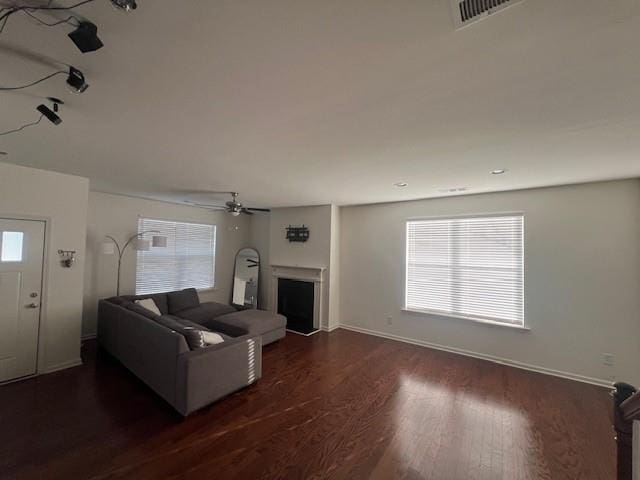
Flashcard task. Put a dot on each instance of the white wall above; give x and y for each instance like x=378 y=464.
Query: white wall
x=117 y=216
x=334 y=270
x=582 y=278
x=316 y=252
x=62 y=201
x=259 y=238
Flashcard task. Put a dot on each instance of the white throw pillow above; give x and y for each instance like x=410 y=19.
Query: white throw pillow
x=149 y=304
x=212 y=338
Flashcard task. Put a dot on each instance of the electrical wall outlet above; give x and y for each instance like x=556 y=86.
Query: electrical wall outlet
x=389 y=320
x=608 y=359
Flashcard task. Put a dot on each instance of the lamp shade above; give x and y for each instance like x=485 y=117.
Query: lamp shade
x=142 y=245
x=159 y=241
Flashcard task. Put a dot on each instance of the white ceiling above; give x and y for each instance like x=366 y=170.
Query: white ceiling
x=299 y=102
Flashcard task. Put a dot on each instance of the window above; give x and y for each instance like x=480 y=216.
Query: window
x=467 y=267
x=187 y=261
x=11 y=247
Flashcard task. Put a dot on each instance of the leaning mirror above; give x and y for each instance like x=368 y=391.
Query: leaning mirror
x=245 y=279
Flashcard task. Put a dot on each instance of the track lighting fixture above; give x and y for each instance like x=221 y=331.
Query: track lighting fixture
x=44 y=112
x=51 y=116
x=86 y=37
x=126 y=5
x=76 y=81
x=7 y=11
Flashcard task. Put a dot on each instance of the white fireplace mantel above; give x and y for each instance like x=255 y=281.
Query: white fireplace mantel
x=304 y=273
x=297 y=272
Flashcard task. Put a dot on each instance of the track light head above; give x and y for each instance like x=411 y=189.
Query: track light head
x=86 y=37
x=76 y=81
x=51 y=116
x=56 y=102
x=126 y=5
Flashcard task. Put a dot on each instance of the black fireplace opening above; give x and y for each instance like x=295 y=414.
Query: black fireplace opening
x=295 y=301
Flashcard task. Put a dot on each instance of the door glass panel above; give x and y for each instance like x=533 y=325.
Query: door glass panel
x=11 y=246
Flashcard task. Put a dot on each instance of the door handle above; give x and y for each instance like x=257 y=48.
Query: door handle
x=32 y=305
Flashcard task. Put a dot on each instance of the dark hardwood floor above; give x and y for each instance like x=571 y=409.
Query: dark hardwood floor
x=341 y=405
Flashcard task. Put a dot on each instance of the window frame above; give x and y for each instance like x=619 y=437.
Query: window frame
x=22 y=247
x=215 y=250
x=452 y=315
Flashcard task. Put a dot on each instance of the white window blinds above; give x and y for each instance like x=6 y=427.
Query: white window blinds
x=187 y=261
x=467 y=267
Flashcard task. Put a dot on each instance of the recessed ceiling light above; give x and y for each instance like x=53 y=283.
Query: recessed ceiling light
x=401 y=184
x=498 y=171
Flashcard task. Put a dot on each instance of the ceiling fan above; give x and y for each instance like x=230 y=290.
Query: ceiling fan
x=234 y=207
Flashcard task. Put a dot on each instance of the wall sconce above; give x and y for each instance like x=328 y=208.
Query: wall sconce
x=67 y=257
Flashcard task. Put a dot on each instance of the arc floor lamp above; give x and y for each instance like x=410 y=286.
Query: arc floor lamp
x=140 y=244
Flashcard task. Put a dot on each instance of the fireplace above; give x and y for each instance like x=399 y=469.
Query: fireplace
x=295 y=301
x=297 y=292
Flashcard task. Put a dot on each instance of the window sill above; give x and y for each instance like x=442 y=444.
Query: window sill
x=206 y=290
x=490 y=323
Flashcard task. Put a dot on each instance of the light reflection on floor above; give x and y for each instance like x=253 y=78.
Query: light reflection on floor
x=449 y=432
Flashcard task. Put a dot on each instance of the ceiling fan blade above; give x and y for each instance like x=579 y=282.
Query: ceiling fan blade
x=246 y=211
x=211 y=207
x=259 y=209
x=207 y=192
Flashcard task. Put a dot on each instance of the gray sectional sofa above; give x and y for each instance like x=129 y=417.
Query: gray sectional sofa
x=168 y=352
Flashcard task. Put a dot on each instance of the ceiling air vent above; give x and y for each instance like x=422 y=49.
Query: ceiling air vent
x=466 y=12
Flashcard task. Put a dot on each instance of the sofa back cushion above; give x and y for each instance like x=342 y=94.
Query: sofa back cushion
x=182 y=300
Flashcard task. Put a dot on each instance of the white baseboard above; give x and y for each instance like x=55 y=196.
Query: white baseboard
x=330 y=329
x=61 y=366
x=502 y=361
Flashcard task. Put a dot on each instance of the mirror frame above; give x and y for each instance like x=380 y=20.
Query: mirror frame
x=233 y=283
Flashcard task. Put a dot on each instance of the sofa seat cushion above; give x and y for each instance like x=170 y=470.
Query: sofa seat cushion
x=205 y=312
x=188 y=323
x=193 y=336
x=255 y=322
x=182 y=300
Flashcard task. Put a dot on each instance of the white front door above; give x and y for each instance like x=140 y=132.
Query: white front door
x=21 y=256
